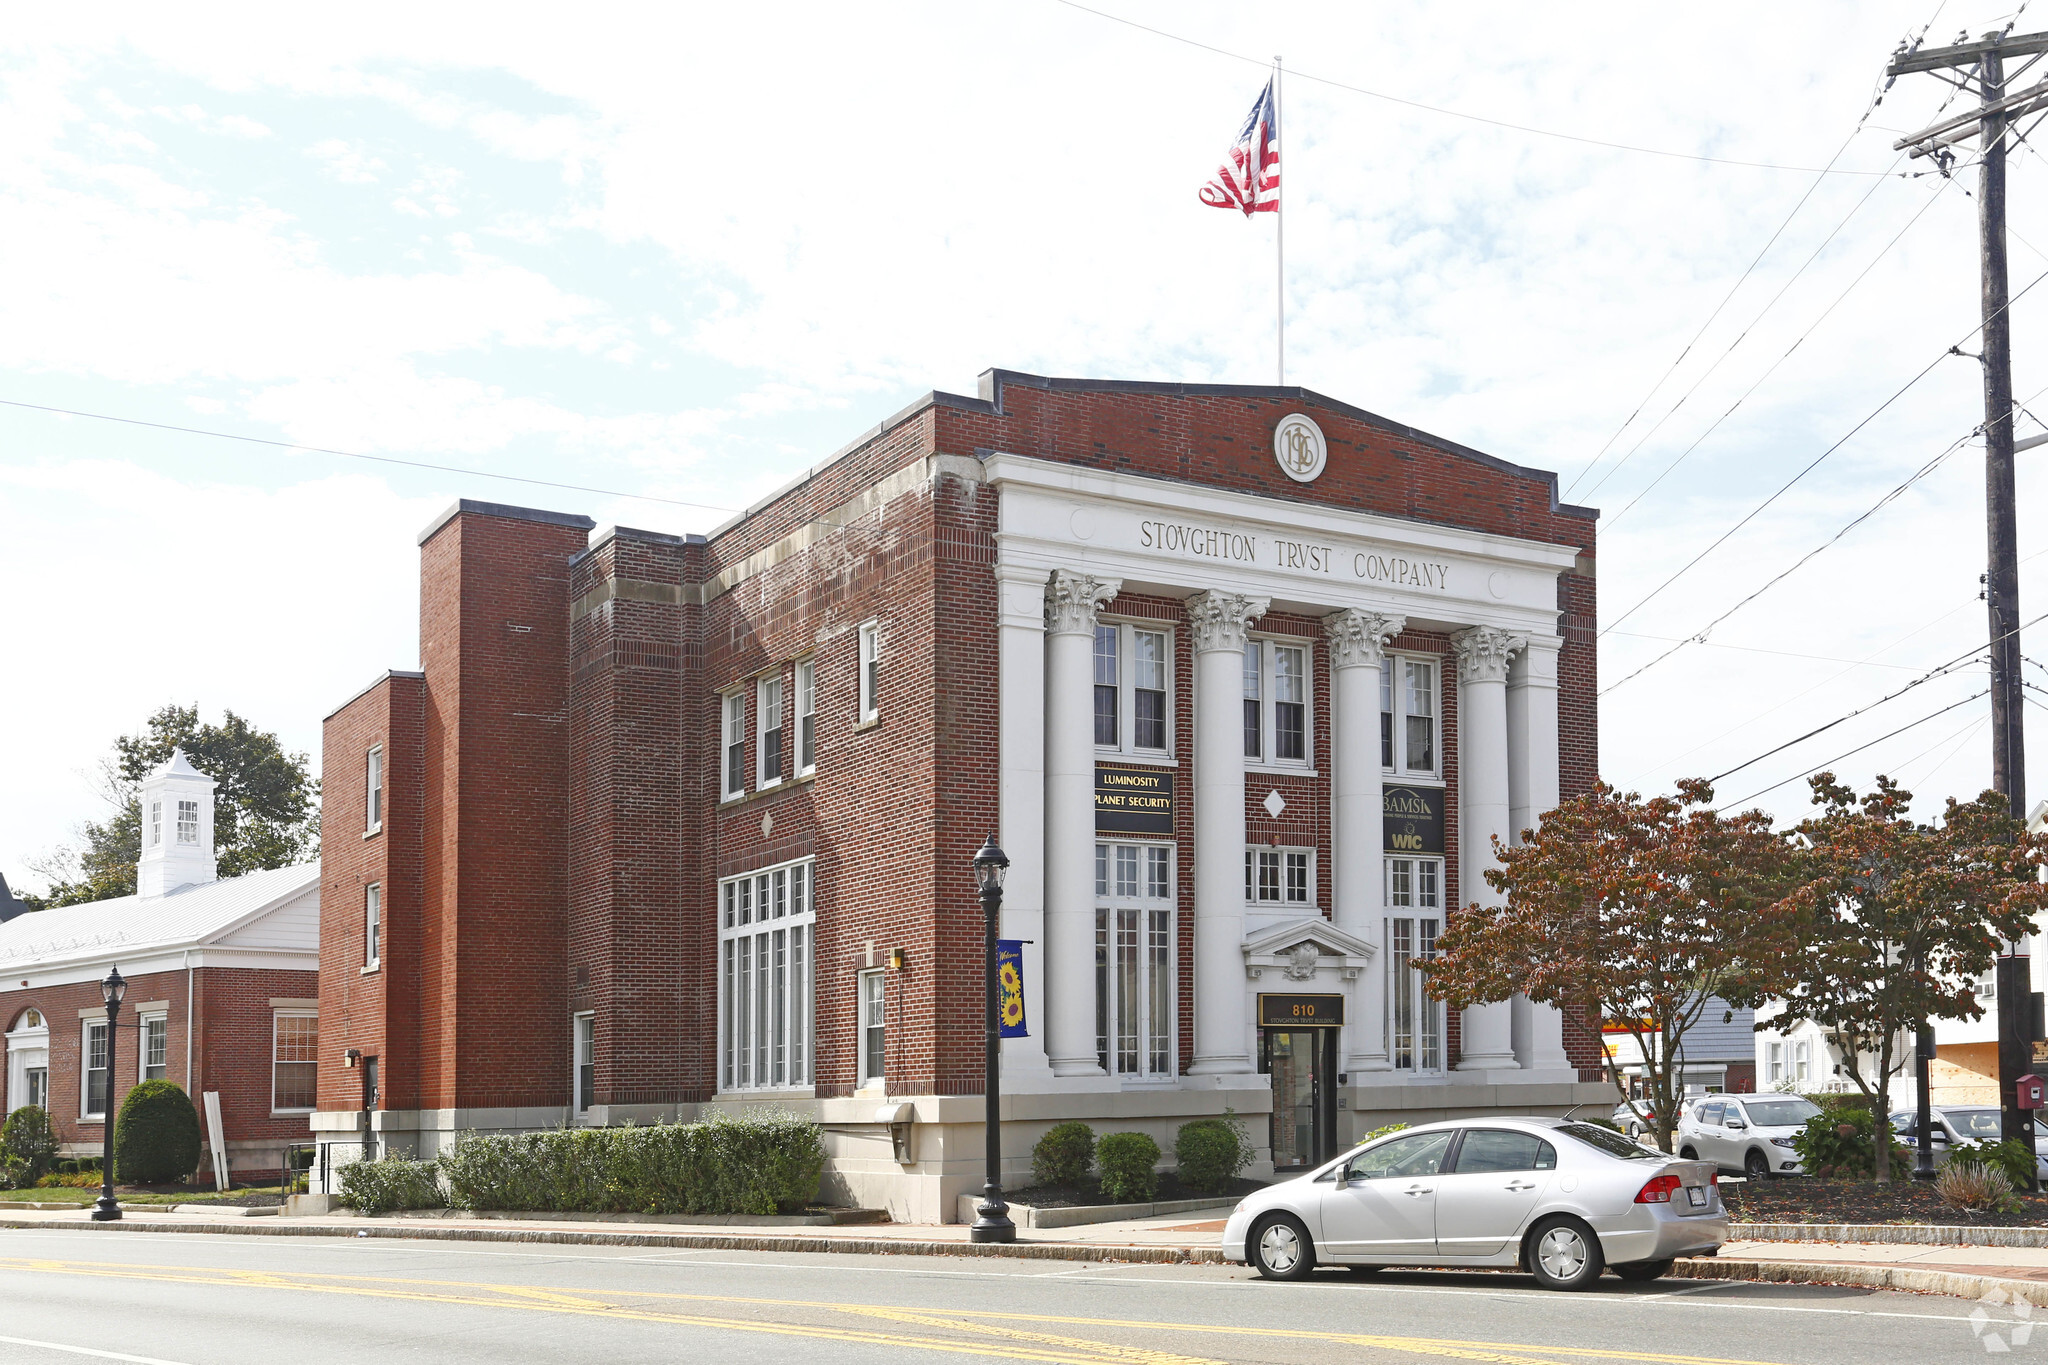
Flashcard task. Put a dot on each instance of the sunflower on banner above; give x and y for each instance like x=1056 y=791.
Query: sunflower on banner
x=1010 y=982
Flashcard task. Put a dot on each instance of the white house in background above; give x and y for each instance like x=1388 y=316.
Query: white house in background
x=1965 y=1071
x=1719 y=1052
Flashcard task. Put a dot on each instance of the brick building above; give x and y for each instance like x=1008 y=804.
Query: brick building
x=1243 y=679
x=222 y=985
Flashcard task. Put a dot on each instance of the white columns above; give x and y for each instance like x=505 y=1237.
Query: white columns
x=1021 y=742
x=1219 y=622
x=1484 y=810
x=1071 y=601
x=1357 y=650
x=1533 y=793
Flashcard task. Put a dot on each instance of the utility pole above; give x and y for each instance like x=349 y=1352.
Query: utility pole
x=1985 y=61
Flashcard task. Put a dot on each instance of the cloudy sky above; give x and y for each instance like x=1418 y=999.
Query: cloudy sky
x=678 y=253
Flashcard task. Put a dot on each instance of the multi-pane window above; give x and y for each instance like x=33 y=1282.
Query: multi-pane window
x=156 y=823
x=1132 y=668
x=870 y=672
x=764 y=978
x=156 y=1034
x=1415 y=1031
x=583 y=1062
x=373 y=782
x=1134 y=980
x=1277 y=876
x=188 y=822
x=769 y=707
x=1276 y=701
x=1408 y=715
x=806 y=716
x=295 y=1058
x=94 y=1097
x=373 y=925
x=733 y=739
x=1774 y=1065
x=874 y=1018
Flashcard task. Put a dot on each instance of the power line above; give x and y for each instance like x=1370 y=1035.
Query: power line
x=1857 y=750
x=1815 y=463
x=1759 y=649
x=358 y=455
x=1293 y=74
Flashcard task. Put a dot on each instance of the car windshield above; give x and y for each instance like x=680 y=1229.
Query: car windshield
x=1974 y=1123
x=1415 y=1154
x=1610 y=1142
x=1786 y=1113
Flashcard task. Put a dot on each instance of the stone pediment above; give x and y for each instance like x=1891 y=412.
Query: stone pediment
x=1303 y=950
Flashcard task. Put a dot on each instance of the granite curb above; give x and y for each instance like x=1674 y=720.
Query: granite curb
x=1907 y=1279
x=1914 y=1234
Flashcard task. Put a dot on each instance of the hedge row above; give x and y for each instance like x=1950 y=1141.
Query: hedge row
x=759 y=1163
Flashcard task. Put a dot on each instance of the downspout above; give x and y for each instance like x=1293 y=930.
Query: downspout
x=187 y=954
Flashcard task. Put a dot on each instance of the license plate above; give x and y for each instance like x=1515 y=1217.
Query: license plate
x=1697 y=1194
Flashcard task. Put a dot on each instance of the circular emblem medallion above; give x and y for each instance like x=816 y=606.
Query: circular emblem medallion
x=1299 y=447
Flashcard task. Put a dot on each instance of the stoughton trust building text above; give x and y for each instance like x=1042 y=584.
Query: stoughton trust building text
x=1245 y=680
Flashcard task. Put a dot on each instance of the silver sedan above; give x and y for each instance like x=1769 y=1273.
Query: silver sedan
x=1560 y=1200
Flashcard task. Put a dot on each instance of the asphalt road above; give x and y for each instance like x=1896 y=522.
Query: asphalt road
x=67 y=1297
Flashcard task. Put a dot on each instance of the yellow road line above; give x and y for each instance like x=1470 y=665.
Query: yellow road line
x=1048 y=1347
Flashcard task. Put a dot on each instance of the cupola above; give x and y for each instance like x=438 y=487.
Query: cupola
x=177 y=829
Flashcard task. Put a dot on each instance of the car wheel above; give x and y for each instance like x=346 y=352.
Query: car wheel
x=1689 y=1153
x=1756 y=1165
x=1641 y=1272
x=1281 y=1250
x=1564 y=1254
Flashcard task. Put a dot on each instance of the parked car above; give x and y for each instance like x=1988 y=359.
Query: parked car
x=1747 y=1133
x=1635 y=1118
x=1561 y=1200
x=1957 y=1125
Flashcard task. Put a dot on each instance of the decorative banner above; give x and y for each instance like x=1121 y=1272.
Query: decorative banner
x=1413 y=819
x=1133 y=800
x=1301 y=1011
x=1010 y=986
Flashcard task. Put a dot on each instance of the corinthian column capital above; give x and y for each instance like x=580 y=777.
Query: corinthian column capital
x=1360 y=637
x=1222 y=620
x=1483 y=653
x=1072 y=599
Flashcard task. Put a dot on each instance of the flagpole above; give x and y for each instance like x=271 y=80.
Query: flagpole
x=1280 y=237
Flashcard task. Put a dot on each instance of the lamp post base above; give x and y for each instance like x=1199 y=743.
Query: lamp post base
x=106 y=1210
x=993 y=1223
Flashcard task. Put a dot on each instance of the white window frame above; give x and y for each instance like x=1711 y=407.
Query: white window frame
x=275 y=1016
x=1291 y=867
x=767 y=926
x=373 y=790
x=871 y=996
x=806 y=676
x=196 y=830
x=1429 y=1028
x=373 y=926
x=1138 y=921
x=769 y=699
x=1126 y=685
x=1394 y=688
x=156 y=823
x=85 y=1069
x=1774 y=1061
x=142 y=1023
x=869 y=680
x=582 y=1054
x=1802 y=1061
x=732 y=734
x=1265 y=693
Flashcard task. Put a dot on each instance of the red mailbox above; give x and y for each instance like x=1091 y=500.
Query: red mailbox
x=2031 y=1089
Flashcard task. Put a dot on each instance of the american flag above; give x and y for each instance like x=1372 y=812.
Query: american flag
x=1249 y=180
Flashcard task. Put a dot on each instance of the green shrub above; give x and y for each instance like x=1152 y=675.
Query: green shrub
x=70 y=1180
x=1209 y=1153
x=761 y=1162
x=28 y=1137
x=156 y=1135
x=2009 y=1156
x=1063 y=1155
x=1968 y=1184
x=1128 y=1162
x=1827 y=1151
x=391 y=1184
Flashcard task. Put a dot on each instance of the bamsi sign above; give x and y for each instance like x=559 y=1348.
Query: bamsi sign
x=1413 y=819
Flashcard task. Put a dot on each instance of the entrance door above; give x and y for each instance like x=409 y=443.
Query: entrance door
x=1303 y=1065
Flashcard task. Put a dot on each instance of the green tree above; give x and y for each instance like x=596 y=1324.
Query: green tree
x=265 y=807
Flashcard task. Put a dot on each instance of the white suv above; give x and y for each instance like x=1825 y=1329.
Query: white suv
x=1748 y=1133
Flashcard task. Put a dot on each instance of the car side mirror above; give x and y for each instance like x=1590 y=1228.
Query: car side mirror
x=1737 y=1123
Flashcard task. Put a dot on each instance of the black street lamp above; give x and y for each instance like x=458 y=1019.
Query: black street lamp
x=993 y=1224
x=111 y=991
x=1924 y=1052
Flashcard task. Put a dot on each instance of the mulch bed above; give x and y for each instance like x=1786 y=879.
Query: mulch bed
x=1089 y=1193
x=1802 y=1199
